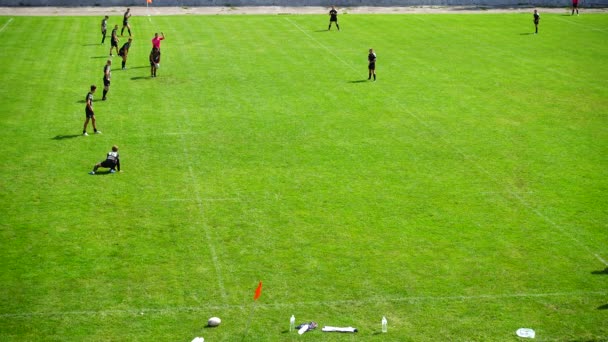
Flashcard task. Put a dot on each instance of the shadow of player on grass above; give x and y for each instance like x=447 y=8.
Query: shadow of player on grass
x=65 y=136
x=604 y=271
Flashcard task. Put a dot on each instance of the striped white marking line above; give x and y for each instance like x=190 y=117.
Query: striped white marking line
x=579 y=24
x=322 y=45
x=491 y=176
x=202 y=199
x=200 y=223
x=510 y=191
x=173 y=310
x=205 y=229
x=5 y=25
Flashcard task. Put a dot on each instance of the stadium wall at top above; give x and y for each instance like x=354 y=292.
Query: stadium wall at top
x=325 y=3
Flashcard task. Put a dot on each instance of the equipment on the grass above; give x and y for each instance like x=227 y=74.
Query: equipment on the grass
x=214 y=321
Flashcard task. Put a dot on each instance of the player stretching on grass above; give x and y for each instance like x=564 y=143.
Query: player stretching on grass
x=104 y=28
x=371 y=59
x=112 y=162
x=125 y=22
x=333 y=18
x=536 y=21
x=124 y=52
x=90 y=114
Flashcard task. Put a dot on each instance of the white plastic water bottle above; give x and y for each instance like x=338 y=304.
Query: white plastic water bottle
x=384 y=324
x=292 y=323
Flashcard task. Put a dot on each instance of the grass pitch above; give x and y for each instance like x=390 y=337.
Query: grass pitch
x=462 y=195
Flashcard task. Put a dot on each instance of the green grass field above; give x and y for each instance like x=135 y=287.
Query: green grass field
x=463 y=195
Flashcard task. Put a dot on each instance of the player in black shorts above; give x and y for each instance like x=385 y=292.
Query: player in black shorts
x=104 y=28
x=114 y=40
x=333 y=18
x=107 y=76
x=124 y=52
x=90 y=114
x=536 y=20
x=112 y=162
x=125 y=22
x=154 y=60
x=371 y=66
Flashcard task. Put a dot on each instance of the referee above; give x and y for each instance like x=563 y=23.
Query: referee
x=333 y=18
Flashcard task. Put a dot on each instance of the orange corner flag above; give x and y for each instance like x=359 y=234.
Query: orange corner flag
x=258 y=291
x=149 y=1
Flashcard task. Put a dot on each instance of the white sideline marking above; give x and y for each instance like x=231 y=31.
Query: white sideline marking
x=511 y=192
x=585 y=26
x=201 y=213
x=216 y=264
x=5 y=25
x=172 y=310
x=196 y=199
x=321 y=45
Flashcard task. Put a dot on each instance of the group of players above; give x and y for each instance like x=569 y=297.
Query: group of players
x=112 y=159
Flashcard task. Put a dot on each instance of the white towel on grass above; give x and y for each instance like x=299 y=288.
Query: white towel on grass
x=339 y=329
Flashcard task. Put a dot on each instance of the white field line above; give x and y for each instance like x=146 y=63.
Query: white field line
x=5 y=25
x=579 y=24
x=201 y=214
x=200 y=223
x=322 y=45
x=209 y=242
x=173 y=310
x=201 y=199
x=515 y=194
x=471 y=160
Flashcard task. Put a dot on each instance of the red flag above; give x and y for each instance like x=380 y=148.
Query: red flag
x=258 y=292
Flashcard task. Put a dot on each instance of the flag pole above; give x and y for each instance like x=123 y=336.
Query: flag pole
x=258 y=293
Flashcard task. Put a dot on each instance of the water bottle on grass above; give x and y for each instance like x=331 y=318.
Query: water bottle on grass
x=384 y=324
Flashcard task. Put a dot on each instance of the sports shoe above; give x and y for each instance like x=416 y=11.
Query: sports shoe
x=85 y=134
x=112 y=171
x=97 y=132
x=92 y=172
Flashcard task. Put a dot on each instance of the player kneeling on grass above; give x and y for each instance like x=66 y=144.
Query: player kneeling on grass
x=112 y=162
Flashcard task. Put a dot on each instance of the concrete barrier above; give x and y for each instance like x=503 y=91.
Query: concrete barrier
x=325 y=3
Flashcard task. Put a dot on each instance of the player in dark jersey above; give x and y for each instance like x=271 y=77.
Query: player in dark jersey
x=125 y=22
x=90 y=114
x=107 y=76
x=371 y=66
x=114 y=40
x=333 y=18
x=154 y=60
x=112 y=162
x=104 y=28
x=536 y=20
x=124 y=52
